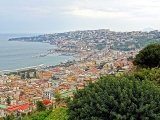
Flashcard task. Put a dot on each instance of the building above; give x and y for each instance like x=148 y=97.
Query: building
x=48 y=93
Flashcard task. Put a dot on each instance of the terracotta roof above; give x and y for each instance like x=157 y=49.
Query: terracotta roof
x=131 y=61
x=24 y=107
x=46 y=102
x=16 y=108
x=12 y=108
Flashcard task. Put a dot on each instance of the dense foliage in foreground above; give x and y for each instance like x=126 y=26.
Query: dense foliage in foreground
x=118 y=98
x=58 y=114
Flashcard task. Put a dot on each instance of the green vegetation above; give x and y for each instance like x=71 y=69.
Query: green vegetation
x=40 y=106
x=8 y=100
x=58 y=114
x=149 y=57
x=9 y=117
x=54 y=78
x=101 y=46
x=37 y=115
x=130 y=58
x=116 y=98
x=136 y=43
x=143 y=41
x=68 y=63
x=101 y=65
x=24 y=74
x=150 y=74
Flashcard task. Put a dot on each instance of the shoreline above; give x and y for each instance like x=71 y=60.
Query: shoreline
x=40 y=66
x=20 y=63
x=20 y=69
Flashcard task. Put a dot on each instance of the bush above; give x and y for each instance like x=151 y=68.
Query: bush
x=116 y=98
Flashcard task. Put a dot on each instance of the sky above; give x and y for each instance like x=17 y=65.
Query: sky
x=53 y=16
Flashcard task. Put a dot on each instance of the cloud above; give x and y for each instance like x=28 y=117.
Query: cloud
x=38 y=10
x=116 y=8
x=97 y=13
x=116 y=14
x=128 y=9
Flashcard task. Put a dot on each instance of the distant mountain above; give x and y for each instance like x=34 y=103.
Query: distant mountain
x=147 y=29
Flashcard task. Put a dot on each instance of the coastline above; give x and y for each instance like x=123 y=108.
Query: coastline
x=18 y=55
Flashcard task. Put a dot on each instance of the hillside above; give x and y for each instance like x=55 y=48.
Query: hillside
x=58 y=114
x=96 y=39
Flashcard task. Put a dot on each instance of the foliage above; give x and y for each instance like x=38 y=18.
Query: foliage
x=17 y=118
x=58 y=114
x=22 y=76
x=101 y=46
x=136 y=43
x=9 y=117
x=58 y=97
x=143 y=41
x=130 y=58
x=8 y=100
x=28 y=75
x=38 y=115
x=43 y=115
x=40 y=106
x=148 y=57
x=34 y=74
x=54 y=78
x=116 y=98
x=101 y=65
x=150 y=74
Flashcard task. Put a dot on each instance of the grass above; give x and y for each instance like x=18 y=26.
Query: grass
x=58 y=114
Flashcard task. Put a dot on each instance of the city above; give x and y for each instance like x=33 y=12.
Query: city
x=97 y=53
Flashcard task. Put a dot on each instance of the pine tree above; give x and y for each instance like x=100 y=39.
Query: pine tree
x=116 y=98
x=40 y=106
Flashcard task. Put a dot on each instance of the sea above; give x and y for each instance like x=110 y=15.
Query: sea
x=16 y=55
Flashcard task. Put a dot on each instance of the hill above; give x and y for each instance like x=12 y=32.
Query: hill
x=96 y=39
x=148 y=29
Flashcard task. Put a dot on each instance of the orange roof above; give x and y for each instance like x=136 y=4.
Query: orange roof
x=12 y=108
x=46 y=74
x=16 y=108
x=131 y=61
x=24 y=107
x=46 y=102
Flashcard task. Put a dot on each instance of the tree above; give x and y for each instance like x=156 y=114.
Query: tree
x=54 y=78
x=9 y=117
x=116 y=98
x=34 y=74
x=58 y=97
x=8 y=100
x=151 y=74
x=148 y=57
x=22 y=76
x=40 y=106
x=27 y=75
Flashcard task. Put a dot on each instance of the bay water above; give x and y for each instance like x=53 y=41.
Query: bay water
x=16 y=55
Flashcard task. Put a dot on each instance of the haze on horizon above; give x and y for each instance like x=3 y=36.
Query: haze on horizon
x=52 y=16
